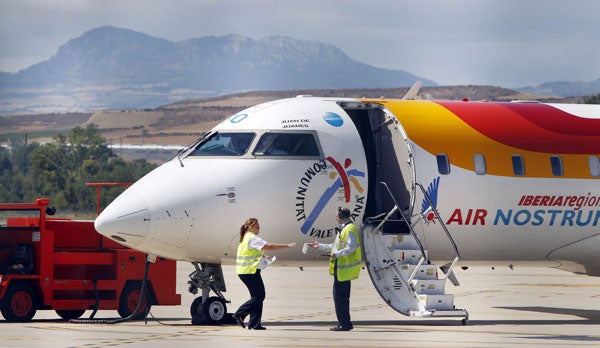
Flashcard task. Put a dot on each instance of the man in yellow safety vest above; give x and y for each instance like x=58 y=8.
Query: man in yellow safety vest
x=344 y=265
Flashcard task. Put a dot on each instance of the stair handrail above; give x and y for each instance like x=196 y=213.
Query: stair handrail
x=415 y=270
x=410 y=227
x=437 y=215
x=449 y=271
x=386 y=218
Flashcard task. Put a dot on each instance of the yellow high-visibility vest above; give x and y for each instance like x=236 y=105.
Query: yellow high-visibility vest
x=247 y=259
x=348 y=267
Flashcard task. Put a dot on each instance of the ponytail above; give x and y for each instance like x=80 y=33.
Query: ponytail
x=245 y=226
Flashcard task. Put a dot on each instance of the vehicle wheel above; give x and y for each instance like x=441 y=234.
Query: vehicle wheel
x=68 y=314
x=19 y=303
x=129 y=301
x=212 y=312
x=196 y=307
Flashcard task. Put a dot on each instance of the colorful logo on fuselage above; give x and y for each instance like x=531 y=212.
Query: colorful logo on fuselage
x=333 y=119
x=343 y=178
x=426 y=208
x=237 y=118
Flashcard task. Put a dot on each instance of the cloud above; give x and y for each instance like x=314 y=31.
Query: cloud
x=510 y=43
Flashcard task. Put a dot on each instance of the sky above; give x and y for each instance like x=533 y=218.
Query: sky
x=508 y=43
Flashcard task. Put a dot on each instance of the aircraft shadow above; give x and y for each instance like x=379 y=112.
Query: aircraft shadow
x=587 y=314
x=364 y=323
x=587 y=317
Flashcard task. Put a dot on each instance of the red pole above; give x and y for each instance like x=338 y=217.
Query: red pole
x=98 y=185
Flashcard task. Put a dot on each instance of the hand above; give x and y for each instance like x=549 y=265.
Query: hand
x=314 y=244
x=332 y=256
x=291 y=245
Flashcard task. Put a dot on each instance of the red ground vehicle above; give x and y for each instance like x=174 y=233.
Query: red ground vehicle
x=66 y=266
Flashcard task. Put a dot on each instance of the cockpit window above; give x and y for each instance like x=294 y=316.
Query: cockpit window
x=287 y=144
x=224 y=144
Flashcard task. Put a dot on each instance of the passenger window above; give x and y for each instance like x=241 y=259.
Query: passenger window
x=287 y=144
x=224 y=144
x=443 y=163
x=479 y=162
x=557 y=167
x=594 y=162
x=518 y=165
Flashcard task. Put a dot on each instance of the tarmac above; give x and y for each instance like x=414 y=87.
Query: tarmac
x=521 y=307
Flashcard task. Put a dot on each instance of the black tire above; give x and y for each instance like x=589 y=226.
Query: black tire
x=19 y=304
x=213 y=312
x=196 y=307
x=68 y=314
x=129 y=300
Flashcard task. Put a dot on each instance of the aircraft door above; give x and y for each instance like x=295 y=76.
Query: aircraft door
x=390 y=161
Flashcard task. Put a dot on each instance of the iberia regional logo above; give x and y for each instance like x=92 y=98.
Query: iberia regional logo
x=343 y=177
x=426 y=209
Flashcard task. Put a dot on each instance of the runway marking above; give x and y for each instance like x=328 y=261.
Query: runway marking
x=352 y=339
x=479 y=292
x=8 y=339
x=326 y=313
x=559 y=285
x=192 y=332
x=122 y=341
x=368 y=335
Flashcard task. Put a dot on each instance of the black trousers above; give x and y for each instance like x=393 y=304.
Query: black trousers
x=341 y=300
x=254 y=306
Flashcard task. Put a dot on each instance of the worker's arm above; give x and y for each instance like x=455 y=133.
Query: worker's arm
x=277 y=246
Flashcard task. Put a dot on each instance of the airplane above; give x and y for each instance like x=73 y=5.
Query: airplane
x=454 y=183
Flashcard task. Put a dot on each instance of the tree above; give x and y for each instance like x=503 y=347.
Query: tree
x=592 y=100
x=60 y=170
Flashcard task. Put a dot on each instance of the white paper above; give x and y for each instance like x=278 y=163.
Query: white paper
x=305 y=248
x=266 y=261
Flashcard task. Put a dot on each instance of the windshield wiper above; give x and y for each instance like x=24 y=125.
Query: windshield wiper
x=194 y=145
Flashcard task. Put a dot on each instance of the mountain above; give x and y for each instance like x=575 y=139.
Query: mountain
x=110 y=67
x=564 y=88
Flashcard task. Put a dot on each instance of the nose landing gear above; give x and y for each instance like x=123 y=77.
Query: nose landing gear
x=209 y=310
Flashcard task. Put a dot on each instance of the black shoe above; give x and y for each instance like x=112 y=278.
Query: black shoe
x=257 y=328
x=341 y=328
x=239 y=320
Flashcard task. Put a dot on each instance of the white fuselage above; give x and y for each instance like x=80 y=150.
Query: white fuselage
x=191 y=207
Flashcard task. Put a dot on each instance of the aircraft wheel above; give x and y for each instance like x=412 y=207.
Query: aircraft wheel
x=212 y=312
x=68 y=314
x=19 y=303
x=196 y=307
x=129 y=301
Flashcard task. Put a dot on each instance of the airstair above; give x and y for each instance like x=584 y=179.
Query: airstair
x=400 y=269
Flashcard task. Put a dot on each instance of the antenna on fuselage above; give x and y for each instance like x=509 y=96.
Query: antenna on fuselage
x=413 y=91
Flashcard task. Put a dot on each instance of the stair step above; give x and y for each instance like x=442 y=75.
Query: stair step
x=424 y=272
x=429 y=286
x=391 y=260
x=404 y=241
x=408 y=256
x=438 y=302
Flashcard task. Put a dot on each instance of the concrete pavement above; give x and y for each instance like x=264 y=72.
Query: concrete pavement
x=524 y=307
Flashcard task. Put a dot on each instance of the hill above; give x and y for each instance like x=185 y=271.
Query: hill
x=182 y=122
x=116 y=68
x=564 y=88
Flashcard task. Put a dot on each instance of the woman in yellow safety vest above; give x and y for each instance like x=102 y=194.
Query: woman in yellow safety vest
x=344 y=265
x=250 y=260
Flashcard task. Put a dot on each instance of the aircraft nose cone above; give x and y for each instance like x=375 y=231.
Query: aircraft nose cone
x=126 y=220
